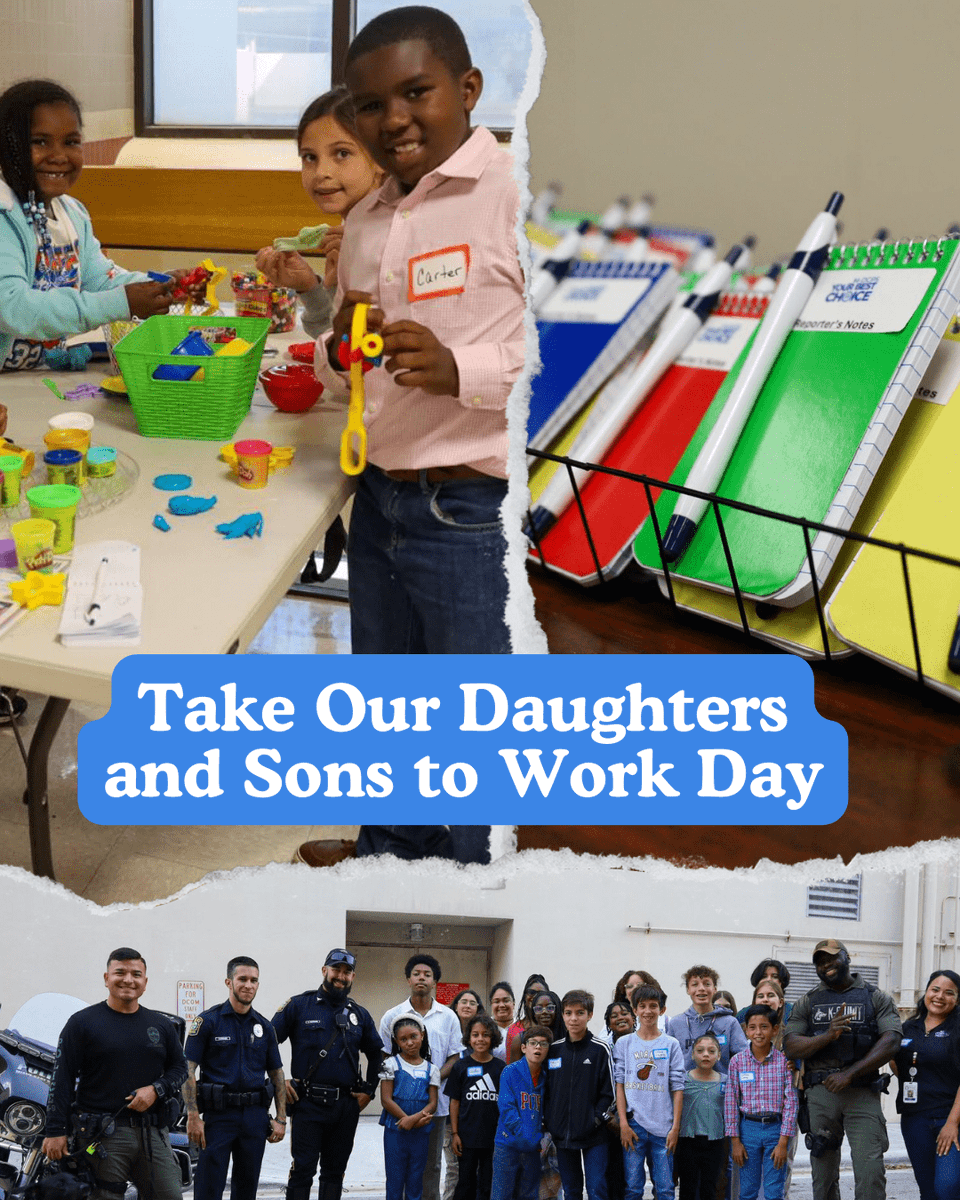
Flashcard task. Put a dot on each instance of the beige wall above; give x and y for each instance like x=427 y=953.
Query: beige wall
x=744 y=115
x=86 y=45
x=741 y=115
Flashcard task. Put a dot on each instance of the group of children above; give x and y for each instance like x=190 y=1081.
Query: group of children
x=430 y=243
x=678 y=1101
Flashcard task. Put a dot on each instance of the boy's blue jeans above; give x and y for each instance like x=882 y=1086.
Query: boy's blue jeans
x=593 y=1170
x=759 y=1140
x=404 y=1159
x=661 y=1165
x=938 y=1177
x=516 y=1174
x=426 y=566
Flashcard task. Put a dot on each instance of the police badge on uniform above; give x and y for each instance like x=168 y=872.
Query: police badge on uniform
x=353 y=1019
x=258 y=1030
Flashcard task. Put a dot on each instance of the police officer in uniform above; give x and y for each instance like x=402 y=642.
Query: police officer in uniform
x=328 y=1031
x=844 y=1030
x=236 y=1051
x=117 y=1082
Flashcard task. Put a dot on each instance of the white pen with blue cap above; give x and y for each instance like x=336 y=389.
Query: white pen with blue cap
x=544 y=202
x=788 y=302
x=562 y=257
x=623 y=395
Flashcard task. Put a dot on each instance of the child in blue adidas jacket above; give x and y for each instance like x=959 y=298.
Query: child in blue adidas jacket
x=516 y=1153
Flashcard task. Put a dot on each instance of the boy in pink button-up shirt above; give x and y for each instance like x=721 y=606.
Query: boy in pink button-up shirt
x=435 y=252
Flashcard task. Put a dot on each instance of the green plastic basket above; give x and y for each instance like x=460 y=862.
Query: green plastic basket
x=208 y=409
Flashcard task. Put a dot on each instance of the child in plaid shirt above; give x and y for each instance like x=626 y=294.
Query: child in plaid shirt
x=760 y=1108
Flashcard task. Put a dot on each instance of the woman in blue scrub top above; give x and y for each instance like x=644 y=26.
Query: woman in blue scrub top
x=928 y=1068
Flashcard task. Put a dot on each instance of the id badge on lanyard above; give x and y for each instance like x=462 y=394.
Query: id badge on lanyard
x=910 y=1086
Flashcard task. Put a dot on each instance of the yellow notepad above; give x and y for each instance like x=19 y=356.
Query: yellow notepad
x=869 y=607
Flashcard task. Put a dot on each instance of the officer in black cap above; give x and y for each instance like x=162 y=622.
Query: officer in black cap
x=328 y=1031
x=845 y=1030
x=236 y=1051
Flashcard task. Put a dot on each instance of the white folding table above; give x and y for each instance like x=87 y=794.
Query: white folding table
x=202 y=593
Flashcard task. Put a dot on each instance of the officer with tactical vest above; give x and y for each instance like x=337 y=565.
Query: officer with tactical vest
x=326 y=1092
x=844 y=1030
x=236 y=1051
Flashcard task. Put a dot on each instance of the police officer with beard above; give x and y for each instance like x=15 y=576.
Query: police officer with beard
x=844 y=1030
x=326 y=1093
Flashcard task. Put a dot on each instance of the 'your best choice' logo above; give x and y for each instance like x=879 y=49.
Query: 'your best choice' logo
x=859 y=290
x=719 y=335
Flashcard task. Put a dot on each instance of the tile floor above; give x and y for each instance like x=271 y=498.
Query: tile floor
x=134 y=863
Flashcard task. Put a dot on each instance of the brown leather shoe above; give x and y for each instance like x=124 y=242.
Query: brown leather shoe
x=325 y=853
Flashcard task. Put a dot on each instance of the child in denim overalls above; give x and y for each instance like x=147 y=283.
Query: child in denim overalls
x=408 y=1092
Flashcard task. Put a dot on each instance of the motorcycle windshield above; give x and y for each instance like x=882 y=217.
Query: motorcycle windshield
x=43 y=1016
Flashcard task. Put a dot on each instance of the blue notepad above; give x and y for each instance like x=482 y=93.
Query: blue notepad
x=587 y=327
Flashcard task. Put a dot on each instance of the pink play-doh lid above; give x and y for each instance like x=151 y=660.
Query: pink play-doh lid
x=253 y=447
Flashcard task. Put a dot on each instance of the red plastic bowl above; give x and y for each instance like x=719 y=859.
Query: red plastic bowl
x=291 y=387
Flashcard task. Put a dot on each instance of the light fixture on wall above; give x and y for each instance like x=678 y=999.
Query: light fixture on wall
x=416 y=932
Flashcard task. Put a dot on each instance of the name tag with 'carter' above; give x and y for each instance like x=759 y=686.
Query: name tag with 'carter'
x=438 y=273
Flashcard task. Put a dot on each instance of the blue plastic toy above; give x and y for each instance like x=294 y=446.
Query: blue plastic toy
x=160 y=522
x=188 y=506
x=193 y=344
x=173 y=483
x=249 y=525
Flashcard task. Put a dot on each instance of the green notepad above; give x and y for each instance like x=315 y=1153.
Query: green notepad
x=824 y=418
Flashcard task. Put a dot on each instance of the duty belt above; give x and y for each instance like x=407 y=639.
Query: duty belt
x=144 y=1118
x=246 y=1099
x=812 y=1078
x=327 y=1095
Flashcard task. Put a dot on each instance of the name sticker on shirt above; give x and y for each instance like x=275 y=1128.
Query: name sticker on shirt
x=438 y=273
x=722 y=1039
x=553 y=1063
x=661 y=1054
x=420 y=1074
x=471 y=1071
x=748 y=1076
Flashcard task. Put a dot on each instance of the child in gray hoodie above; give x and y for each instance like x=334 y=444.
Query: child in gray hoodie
x=704 y=1016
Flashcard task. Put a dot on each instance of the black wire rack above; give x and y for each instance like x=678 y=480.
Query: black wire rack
x=717 y=503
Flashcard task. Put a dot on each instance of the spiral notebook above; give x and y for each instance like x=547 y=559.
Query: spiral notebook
x=651 y=444
x=587 y=327
x=869 y=607
x=798 y=629
x=824 y=418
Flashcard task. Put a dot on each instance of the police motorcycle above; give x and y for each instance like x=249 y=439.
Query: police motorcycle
x=27 y=1055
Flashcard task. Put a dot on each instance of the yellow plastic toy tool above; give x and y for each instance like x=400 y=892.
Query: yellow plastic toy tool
x=363 y=345
x=213 y=304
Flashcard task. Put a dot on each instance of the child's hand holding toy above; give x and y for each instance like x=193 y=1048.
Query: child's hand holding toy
x=148 y=299
x=343 y=322
x=422 y=360
x=286 y=268
x=330 y=249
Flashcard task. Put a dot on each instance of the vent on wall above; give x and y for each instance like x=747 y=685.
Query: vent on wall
x=835 y=899
x=803 y=977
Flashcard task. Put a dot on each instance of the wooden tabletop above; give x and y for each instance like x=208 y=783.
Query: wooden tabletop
x=903 y=740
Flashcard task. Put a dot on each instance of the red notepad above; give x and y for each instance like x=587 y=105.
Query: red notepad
x=652 y=444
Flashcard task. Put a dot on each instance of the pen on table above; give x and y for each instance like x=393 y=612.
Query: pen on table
x=788 y=301
x=544 y=202
x=94 y=605
x=597 y=241
x=625 y=393
x=639 y=213
x=953 y=657
x=705 y=257
x=552 y=272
